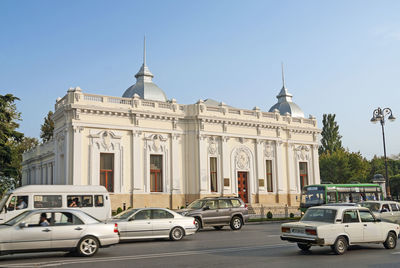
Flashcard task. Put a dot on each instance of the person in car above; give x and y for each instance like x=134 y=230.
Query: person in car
x=43 y=220
x=21 y=203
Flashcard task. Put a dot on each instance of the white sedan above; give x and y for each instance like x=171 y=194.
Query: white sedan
x=339 y=227
x=56 y=230
x=150 y=223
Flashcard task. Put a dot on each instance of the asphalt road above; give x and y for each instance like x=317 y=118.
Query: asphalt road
x=256 y=245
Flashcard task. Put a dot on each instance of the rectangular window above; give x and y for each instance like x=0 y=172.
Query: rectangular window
x=47 y=201
x=303 y=174
x=107 y=171
x=269 y=176
x=156 y=173
x=80 y=201
x=99 y=201
x=213 y=174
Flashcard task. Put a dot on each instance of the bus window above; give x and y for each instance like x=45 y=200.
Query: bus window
x=99 y=200
x=312 y=196
x=355 y=197
x=11 y=205
x=331 y=196
x=47 y=201
x=79 y=201
x=344 y=197
x=22 y=202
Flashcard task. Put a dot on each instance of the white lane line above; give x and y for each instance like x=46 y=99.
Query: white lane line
x=273 y=235
x=146 y=256
x=395 y=253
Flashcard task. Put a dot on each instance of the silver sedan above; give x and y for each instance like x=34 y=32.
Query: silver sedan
x=146 y=223
x=56 y=230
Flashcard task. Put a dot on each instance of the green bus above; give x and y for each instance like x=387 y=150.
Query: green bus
x=320 y=194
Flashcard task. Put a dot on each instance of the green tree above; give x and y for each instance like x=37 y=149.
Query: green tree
x=8 y=134
x=395 y=186
x=47 y=129
x=331 y=140
x=18 y=148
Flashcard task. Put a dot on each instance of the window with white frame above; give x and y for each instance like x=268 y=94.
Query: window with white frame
x=270 y=186
x=213 y=174
x=303 y=174
x=156 y=173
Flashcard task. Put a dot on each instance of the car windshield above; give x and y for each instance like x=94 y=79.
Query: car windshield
x=196 y=204
x=17 y=218
x=372 y=206
x=312 y=196
x=3 y=202
x=320 y=214
x=125 y=214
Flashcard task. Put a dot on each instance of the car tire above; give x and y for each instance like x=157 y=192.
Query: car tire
x=177 y=233
x=236 y=223
x=87 y=246
x=197 y=223
x=304 y=247
x=340 y=245
x=391 y=241
x=218 y=227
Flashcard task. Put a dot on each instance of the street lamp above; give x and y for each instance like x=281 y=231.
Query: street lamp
x=379 y=115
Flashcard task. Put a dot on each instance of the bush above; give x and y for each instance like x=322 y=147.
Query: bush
x=119 y=210
x=291 y=215
x=269 y=215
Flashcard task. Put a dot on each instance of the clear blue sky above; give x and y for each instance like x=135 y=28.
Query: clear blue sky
x=340 y=57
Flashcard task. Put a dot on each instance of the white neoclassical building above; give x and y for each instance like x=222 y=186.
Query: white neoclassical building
x=151 y=151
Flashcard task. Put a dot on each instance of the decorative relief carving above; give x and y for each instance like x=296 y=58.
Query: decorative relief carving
x=269 y=150
x=105 y=139
x=303 y=152
x=155 y=143
x=212 y=146
x=60 y=143
x=242 y=159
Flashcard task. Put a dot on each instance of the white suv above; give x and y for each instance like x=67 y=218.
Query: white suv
x=339 y=227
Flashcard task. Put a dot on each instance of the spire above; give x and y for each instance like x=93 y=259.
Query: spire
x=144 y=73
x=144 y=51
x=284 y=95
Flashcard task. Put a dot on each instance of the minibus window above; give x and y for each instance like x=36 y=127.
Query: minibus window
x=87 y=201
x=47 y=201
x=11 y=205
x=99 y=200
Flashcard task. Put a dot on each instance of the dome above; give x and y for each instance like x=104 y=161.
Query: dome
x=144 y=85
x=285 y=104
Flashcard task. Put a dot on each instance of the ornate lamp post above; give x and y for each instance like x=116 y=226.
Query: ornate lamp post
x=379 y=115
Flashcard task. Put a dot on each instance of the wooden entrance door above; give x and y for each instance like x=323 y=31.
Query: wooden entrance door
x=243 y=186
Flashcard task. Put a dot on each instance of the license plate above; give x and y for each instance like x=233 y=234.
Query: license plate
x=297 y=231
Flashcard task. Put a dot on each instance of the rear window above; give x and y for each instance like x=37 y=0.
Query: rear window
x=372 y=206
x=235 y=203
x=47 y=201
x=320 y=215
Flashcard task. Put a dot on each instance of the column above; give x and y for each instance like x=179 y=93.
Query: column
x=279 y=162
x=176 y=163
x=225 y=157
x=77 y=156
x=137 y=163
x=203 y=185
x=67 y=154
x=315 y=164
x=260 y=174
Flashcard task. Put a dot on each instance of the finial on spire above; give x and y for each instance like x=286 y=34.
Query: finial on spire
x=144 y=51
x=283 y=76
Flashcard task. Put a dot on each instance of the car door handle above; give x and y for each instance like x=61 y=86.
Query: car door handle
x=346 y=225
x=365 y=224
x=148 y=222
x=78 y=228
x=170 y=221
x=46 y=230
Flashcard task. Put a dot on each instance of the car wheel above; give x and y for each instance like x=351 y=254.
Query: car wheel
x=340 y=245
x=177 y=234
x=218 y=227
x=391 y=241
x=304 y=247
x=197 y=223
x=88 y=246
x=236 y=223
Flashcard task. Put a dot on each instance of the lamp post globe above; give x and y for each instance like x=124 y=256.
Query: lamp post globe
x=379 y=115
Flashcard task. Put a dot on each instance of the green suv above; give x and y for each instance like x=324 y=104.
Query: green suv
x=217 y=212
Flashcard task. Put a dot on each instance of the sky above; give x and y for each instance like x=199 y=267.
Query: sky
x=340 y=57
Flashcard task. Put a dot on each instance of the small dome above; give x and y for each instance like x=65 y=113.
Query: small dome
x=144 y=85
x=285 y=104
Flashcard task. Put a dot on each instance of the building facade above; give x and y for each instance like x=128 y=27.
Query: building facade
x=150 y=151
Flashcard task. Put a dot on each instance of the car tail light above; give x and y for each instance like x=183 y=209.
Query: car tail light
x=285 y=230
x=194 y=222
x=311 y=231
x=115 y=228
x=245 y=206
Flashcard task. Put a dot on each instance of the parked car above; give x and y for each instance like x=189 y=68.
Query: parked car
x=56 y=230
x=339 y=227
x=150 y=223
x=385 y=210
x=218 y=212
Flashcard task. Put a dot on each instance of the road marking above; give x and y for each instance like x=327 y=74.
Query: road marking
x=273 y=235
x=396 y=252
x=145 y=256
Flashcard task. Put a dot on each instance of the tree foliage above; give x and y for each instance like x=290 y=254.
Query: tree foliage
x=47 y=129
x=8 y=134
x=331 y=139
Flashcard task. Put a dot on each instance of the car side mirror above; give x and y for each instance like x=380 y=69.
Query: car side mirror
x=132 y=219
x=23 y=225
x=206 y=208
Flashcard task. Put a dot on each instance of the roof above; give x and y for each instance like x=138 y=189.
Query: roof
x=60 y=189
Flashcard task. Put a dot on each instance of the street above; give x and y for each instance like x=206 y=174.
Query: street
x=256 y=245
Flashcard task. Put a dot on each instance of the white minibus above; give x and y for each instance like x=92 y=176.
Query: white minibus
x=93 y=200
